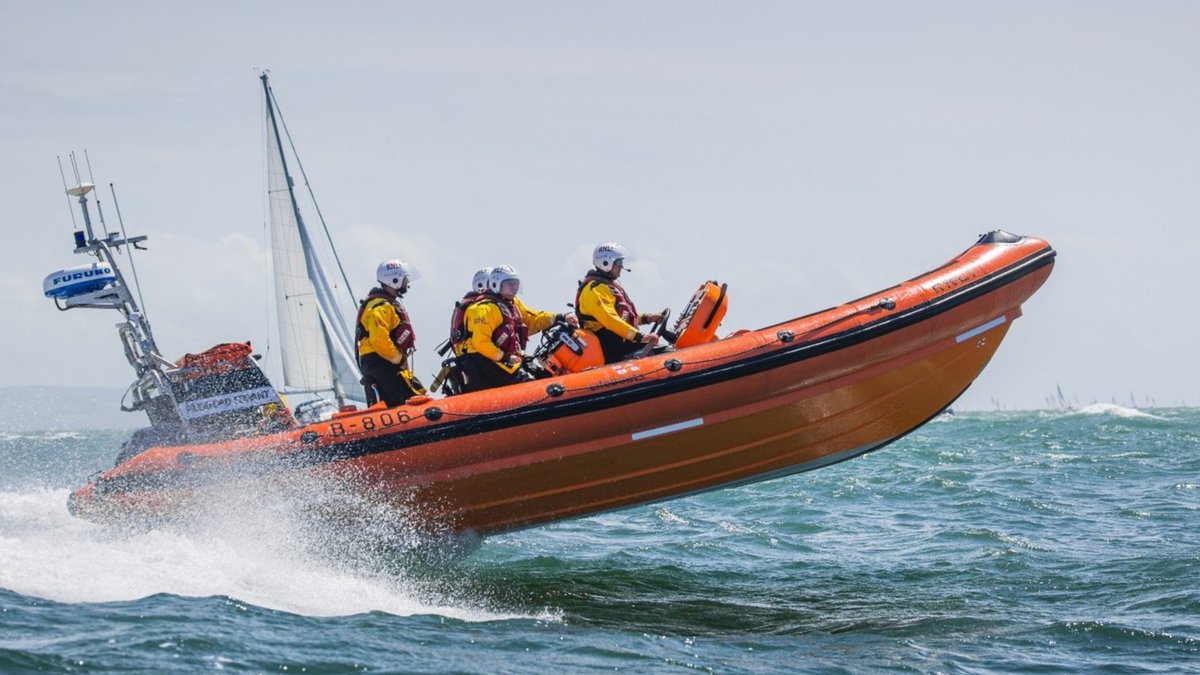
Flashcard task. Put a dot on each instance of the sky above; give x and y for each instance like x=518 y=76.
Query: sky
x=805 y=153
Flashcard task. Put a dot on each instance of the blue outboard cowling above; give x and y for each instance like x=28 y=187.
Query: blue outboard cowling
x=76 y=281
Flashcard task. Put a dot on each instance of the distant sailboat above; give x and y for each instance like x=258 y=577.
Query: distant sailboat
x=313 y=299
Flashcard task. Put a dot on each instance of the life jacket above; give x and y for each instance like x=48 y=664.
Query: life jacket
x=512 y=334
x=458 y=330
x=402 y=335
x=624 y=305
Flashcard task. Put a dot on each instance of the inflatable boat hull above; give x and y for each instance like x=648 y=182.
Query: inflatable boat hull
x=756 y=405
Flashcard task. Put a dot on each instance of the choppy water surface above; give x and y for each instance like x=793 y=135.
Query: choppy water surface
x=1035 y=541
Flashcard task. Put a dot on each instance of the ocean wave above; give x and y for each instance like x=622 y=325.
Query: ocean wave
x=666 y=516
x=41 y=436
x=1029 y=534
x=1114 y=411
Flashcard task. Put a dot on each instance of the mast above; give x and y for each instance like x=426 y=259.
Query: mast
x=334 y=336
x=101 y=285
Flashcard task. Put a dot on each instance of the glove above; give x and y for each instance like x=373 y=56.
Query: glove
x=651 y=318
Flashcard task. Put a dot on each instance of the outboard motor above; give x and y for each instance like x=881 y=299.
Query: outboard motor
x=570 y=350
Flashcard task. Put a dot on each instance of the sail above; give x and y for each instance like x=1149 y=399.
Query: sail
x=311 y=305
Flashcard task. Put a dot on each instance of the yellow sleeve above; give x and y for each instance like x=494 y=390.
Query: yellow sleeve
x=598 y=302
x=482 y=319
x=535 y=320
x=380 y=321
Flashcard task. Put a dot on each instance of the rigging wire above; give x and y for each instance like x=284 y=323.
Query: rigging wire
x=129 y=253
x=311 y=195
x=70 y=206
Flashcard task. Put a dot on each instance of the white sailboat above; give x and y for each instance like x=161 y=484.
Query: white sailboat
x=313 y=301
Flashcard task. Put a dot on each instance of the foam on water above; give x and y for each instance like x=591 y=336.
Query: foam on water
x=261 y=560
x=1115 y=411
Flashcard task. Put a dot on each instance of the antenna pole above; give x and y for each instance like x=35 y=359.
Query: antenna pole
x=91 y=179
x=81 y=191
x=74 y=223
x=129 y=252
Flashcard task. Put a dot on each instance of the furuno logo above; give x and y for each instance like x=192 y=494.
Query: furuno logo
x=85 y=274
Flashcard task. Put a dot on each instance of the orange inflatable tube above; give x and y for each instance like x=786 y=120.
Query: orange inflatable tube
x=794 y=396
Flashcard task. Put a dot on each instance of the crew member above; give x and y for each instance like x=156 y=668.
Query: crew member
x=458 y=329
x=385 y=337
x=605 y=308
x=498 y=326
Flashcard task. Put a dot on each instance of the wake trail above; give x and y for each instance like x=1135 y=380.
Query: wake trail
x=257 y=558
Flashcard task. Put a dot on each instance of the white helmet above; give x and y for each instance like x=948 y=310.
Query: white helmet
x=500 y=275
x=480 y=281
x=608 y=254
x=392 y=273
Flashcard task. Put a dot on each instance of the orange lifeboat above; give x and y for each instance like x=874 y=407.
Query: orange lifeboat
x=798 y=395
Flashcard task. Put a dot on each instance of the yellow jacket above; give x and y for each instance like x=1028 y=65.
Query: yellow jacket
x=597 y=303
x=379 y=319
x=484 y=317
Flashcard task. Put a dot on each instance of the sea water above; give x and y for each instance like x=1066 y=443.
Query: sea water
x=1044 y=541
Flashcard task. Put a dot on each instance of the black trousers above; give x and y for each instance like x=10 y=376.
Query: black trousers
x=615 y=347
x=387 y=379
x=479 y=373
